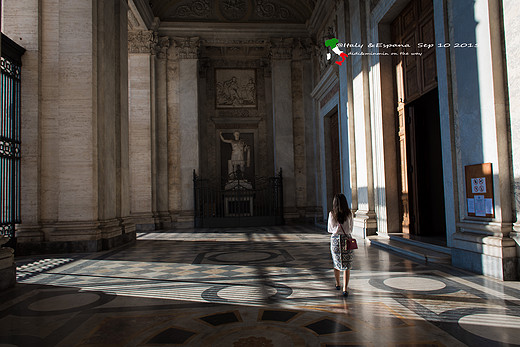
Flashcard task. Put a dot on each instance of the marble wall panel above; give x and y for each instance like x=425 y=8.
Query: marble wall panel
x=140 y=150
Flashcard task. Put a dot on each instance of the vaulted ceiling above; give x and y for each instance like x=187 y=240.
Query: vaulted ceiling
x=239 y=11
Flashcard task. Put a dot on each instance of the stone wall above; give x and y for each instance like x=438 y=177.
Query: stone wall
x=74 y=97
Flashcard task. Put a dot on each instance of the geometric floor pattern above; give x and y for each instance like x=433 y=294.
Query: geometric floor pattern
x=271 y=286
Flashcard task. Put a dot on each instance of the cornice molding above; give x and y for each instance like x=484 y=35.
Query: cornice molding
x=232 y=31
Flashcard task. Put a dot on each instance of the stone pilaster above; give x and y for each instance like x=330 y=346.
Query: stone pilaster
x=183 y=112
x=365 y=219
x=343 y=119
x=160 y=142
x=112 y=109
x=172 y=100
x=281 y=55
x=480 y=117
x=141 y=88
x=512 y=45
x=302 y=107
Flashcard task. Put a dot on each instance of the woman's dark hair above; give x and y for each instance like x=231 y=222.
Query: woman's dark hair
x=340 y=210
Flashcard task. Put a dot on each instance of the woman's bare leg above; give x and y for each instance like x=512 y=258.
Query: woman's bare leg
x=346 y=278
x=336 y=275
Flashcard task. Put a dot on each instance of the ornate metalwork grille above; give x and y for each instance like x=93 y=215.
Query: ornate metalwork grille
x=10 y=136
x=240 y=205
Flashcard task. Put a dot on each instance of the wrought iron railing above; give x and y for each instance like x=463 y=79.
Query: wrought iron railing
x=10 y=136
x=236 y=202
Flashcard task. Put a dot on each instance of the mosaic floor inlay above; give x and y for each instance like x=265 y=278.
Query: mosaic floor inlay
x=250 y=287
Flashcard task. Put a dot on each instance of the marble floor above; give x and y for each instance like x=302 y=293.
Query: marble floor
x=270 y=286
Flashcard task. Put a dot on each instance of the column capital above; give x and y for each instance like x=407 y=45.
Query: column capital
x=162 y=46
x=184 y=48
x=302 y=49
x=143 y=41
x=281 y=49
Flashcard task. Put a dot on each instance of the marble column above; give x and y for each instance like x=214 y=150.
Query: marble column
x=160 y=142
x=281 y=55
x=141 y=89
x=511 y=12
x=365 y=219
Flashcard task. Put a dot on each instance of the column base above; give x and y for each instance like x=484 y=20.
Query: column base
x=74 y=237
x=291 y=214
x=8 y=277
x=365 y=224
x=489 y=255
x=516 y=237
x=162 y=220
x=185 y=219
x=141 y=221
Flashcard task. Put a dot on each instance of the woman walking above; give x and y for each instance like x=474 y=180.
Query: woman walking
x=340 y=226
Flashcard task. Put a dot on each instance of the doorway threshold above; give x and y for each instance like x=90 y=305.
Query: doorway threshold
x=414 y=247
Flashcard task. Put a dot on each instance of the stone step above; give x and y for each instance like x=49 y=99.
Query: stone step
x=411 y=250
x=407 y=239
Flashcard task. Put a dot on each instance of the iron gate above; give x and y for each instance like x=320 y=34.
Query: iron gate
x=10 y=141
x=241 y=205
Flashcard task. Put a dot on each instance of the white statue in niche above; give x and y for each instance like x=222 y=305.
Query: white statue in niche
x=238 y=149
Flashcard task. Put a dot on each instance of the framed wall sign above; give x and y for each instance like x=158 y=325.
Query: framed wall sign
x=479 y=190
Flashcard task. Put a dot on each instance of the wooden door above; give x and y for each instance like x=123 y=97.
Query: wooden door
x=415 y=75
x=413 y=191
x=335 y=156
x=403 y=156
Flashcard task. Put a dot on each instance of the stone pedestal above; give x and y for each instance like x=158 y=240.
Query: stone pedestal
x=364 y=224
x=7 y=266
x=494 y=256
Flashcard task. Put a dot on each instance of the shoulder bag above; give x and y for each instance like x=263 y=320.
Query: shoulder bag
x=350 y=243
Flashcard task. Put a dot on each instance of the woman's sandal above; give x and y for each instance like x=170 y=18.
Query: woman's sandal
x=338 y=287
x=345 y=293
